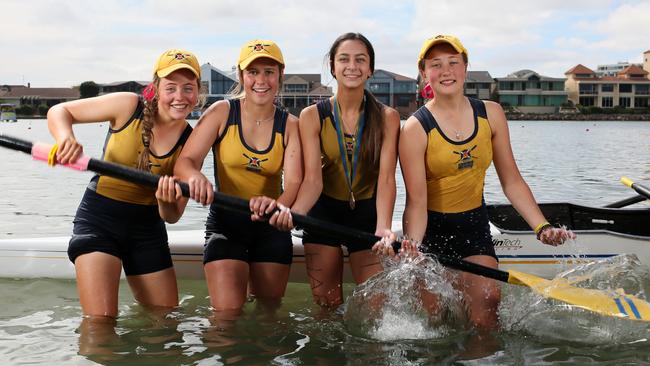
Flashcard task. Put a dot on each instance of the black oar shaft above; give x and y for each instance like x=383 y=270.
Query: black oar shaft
x=344 y=233
x=233 y=203
x=627 y=202
x=16 y=144
x=641 y=189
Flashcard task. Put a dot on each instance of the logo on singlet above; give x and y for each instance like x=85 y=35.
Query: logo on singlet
x=465 y=158
x=254 y=163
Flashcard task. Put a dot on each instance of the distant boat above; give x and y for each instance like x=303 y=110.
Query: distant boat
x=8 y=113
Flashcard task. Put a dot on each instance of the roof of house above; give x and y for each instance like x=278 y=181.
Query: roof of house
x=321 y=90
x=395 y=76
x=579 y=69
x=526 y=74
x=116 y=83
x=311 y=78
x=43 y=93
x=294 y=79
x=633 y=70
x=479 y=77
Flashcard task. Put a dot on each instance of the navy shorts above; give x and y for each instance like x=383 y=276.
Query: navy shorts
x=230 y=235
x=459 y=235
x=133 y=233
x=363 y=218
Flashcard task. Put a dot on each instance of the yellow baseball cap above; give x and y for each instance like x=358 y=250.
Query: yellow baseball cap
x=175 y=59
x=257 y=48
x=442 y=38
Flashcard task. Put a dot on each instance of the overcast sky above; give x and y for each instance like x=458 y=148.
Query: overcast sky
x=63 y=43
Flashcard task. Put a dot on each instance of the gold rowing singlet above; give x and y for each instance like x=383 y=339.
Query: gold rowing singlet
x=242 y=171
x=455 y=170
x=123 y=147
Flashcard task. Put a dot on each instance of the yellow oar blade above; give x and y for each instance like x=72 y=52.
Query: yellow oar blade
x=613 y=303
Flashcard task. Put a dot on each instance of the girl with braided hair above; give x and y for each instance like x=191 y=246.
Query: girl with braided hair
x=118 y=224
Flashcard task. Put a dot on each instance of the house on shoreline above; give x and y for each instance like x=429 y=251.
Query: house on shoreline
x=630 y=88
x=21 y=95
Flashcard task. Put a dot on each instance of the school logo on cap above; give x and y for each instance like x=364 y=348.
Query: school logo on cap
x=179 y=56
x=259 y=47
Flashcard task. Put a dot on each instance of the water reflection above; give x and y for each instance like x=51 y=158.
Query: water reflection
x=149 y=333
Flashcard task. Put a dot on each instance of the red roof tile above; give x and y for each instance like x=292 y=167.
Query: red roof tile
x=579 y=69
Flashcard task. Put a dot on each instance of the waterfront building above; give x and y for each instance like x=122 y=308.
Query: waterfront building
x=613 y=69
x=630 y=88
x=480 y=85
x=530 y=92
x=394 y=90
x=301 y=90
x=216 y=83
x=21 y=95
x=123 y=86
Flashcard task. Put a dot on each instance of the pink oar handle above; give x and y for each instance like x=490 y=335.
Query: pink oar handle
x=40 y=151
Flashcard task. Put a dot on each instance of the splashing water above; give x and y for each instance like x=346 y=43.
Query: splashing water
x=524 y=310
x=389 y=305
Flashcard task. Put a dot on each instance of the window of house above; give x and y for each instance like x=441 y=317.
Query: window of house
x=624 y=102
x=607 y=102
x=642 y=89
x=587 y=88
x=379 y=87
x=625 y=88
x=641 y=102
x=404 y=100
x=607 y=88
x=586 y=101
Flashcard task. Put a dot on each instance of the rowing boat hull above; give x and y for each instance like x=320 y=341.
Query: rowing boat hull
x=519 y=250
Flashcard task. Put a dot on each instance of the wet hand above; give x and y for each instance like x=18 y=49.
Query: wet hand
x=201 y=189
x=555 y=235
x=384 y=247
x=410 y=249
x=168 y=190
x=69 y=150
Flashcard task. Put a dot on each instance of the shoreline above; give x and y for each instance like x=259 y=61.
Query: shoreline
x=576 y=117
x=510 y=116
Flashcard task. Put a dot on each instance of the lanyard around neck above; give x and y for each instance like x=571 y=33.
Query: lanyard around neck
x=349 y=173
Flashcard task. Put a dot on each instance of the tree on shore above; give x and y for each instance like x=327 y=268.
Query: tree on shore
x=88 y=89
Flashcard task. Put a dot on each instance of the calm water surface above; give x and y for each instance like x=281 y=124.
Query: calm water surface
x=579 y=162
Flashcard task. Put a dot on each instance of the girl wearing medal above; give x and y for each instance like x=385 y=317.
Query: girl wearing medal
x=350 y=153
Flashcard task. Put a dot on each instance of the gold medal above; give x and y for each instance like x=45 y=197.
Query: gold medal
x=352 y=201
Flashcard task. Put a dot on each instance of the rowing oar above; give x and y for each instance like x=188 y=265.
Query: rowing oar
x=610 y=303
x=640 y=189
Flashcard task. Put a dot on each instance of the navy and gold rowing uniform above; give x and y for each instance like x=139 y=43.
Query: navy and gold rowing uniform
x=123 y=147
x=244 y=172
x=121 y=218
x=458 y=223
x=334 y=178
x=333 y=205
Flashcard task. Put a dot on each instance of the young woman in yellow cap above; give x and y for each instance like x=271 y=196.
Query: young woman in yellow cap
x=118 y=224
x=350 y=153
x=256 y=149
x=445 y=149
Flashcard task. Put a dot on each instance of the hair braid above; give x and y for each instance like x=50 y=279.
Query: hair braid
x=149 y=115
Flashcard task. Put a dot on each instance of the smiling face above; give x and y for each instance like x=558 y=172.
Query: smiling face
x=262 y=80
x=178 y=93
x=352 y=64
x=444 y=69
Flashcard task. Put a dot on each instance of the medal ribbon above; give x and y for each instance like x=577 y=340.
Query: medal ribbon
x=349 y=173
